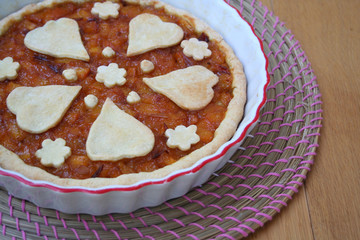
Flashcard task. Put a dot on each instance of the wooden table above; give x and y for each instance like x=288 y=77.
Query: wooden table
x=328 y=205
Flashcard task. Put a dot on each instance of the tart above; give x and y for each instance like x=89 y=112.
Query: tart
x=113 y=93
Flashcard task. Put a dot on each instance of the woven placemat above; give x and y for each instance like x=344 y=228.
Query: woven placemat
x=248 y=191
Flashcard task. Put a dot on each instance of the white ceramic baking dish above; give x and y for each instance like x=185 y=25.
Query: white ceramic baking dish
x=248 y=48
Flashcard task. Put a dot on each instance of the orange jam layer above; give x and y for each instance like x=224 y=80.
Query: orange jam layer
x=154 y=110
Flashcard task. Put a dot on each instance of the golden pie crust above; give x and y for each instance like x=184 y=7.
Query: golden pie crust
x=10 y=161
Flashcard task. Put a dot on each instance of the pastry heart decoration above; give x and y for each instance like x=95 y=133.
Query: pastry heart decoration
x=189 y=88
x=38 y=109
x=116 y=135
x=60 y=38
x=148 y=32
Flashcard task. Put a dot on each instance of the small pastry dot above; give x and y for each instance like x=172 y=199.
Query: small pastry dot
x=133 y=97
x=147 y=66
x=91 y=101
x=70 y=75
x=108 y=52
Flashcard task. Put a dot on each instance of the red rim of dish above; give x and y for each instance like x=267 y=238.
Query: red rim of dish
x=172 y=177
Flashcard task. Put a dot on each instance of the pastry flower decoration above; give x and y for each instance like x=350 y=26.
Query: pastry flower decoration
x=182 y=137
x=8 y=69
x=106 y=10
x=53 y=153
x=111 y=75
x=195 y=49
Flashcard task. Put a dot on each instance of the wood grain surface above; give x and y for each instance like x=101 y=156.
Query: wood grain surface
x=328 y=206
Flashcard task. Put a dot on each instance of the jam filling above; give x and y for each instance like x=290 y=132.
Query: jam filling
x=154 y=110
